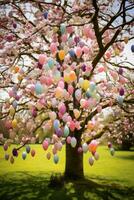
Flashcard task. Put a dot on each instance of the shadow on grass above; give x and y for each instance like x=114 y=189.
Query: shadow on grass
x=27 y=186
x=126 y=157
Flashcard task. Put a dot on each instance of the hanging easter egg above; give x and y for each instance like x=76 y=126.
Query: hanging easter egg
x=59 y=146
x=39 y=65
x=66 y=131
x=83 y=67
x=70 y=29
x=85 y=147
x=53 y=47
x=48 y=155
x=72 y=125
x=120 y=99
x=45 y=145
x=78 y=94
x=69 y=140
x=56 y=158
x=63 y=28
x=121 y=92
x=101 y=69
x=59 y=93
x=61 y=84
x=82 y=103
x=92 y=86
x=45 y=14
x=28 y=149
x=72 y=76
x=38 y=88
x=80 y=150
x=14 y=123
x=61 y=55
x=76 y=113
x=76 y=39
x=132 y=48
x=96 y=156
x=15 y=152
x=6 y=156
x=24 y=155
x=56 y=124
x=120 y=71
x=64 y=38
x=62 y=108
x=90 y=125
x=78 y=52
x=88 y=93
x=5 y=147
x=42 y=59
x=93 y=146
x=85 y=85
x=14 y=104
x=11 y=160
x=11 y=111
x=85 y=49
x=52 y=115
x=32 y=152
x=91 y=161
x=14 y=25
x=8 y=124
x=112 y=151
x=71 y=53
x=70 y=89
x=66 y=77
x=59 y=132
x=73 y=142
x=34 y=112
x=50 y=63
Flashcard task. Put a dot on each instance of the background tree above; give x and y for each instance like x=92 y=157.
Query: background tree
x=62 y=63
x=121 y=131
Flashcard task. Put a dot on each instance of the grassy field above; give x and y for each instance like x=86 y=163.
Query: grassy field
x=112 y=176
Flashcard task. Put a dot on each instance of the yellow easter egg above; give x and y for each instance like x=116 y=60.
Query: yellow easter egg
x=61 y=55
x=14 y=123
x=85 y=85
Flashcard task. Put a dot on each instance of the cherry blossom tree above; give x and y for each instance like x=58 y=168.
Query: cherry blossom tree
x=121 y=131
x=62 y=63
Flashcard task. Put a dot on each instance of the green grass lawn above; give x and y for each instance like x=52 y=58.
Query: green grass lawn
x=28 y=179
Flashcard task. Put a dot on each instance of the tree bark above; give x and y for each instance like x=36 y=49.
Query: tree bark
x=74 y=161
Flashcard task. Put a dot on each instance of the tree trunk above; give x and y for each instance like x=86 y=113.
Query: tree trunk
x=74 y=161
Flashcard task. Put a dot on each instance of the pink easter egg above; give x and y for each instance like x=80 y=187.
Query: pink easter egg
x=49 y=81
x=70 y=29
x=88 y=32
x=72 y=126
x=64 y=38
x=68 y=139
x=108 y=55
x=8 y=124
x=61 y=84
x=101 y=69
x=42 y=59
x=79 y=150
x=78 y=52
x=43 y=79
x=62 y=108
x=70 y=89
x=53 y=47
x=85 y=50
x=45 y=145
